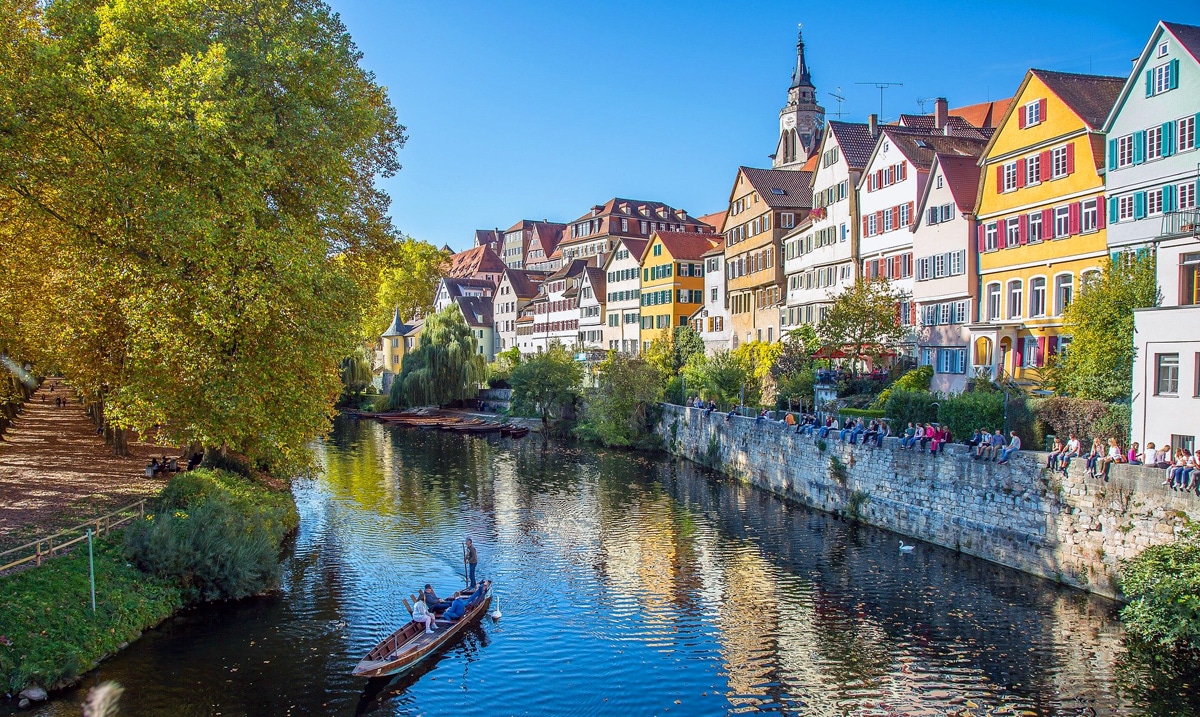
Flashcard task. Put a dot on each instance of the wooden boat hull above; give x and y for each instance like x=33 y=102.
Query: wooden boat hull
x=410 y=645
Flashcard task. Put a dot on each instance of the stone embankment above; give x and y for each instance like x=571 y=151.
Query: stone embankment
x=1074 y=529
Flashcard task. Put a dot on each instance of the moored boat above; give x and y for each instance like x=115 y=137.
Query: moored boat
x=409 y=645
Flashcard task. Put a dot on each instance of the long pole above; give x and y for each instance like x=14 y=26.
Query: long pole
x=92 y=569
x=466 y=580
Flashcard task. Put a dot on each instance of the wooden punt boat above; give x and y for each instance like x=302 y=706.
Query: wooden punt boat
x=405 y=648
x=514 y=431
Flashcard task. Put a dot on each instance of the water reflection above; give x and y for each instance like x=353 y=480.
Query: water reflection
x=630 y=585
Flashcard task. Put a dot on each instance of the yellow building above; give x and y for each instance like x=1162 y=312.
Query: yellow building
x=396 y=341
x=1041 y=215
x=672 y=281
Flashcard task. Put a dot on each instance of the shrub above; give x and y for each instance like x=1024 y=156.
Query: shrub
x=215 y=533
x=964 y=412
x=904 y=406
x=1163 y=587
x=861 y=412
x=1086 y=418
x=917 y=379
x=622 y=409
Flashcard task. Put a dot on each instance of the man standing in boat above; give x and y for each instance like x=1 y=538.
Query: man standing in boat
x=472 y=559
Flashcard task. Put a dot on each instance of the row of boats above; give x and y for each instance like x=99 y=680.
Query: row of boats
x=448 y=422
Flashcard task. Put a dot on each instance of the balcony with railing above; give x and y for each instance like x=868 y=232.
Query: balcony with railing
x=1180 y=223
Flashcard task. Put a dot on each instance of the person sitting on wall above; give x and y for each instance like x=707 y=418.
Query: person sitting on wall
x=1073 y=449
x=925 y=434
x=789 y=418
x=860 y=429
x=831 y=424
x=1014 y=445
x=973 y=441
x=985 y=440
x=1055 y=452
x=1134 y=455
x=1161 y=456
x=847 y=430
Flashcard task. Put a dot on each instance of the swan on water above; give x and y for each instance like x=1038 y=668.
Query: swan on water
x=496 y=613
x=906 y=548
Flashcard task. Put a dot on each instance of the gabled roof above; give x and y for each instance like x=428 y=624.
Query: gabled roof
x=920 y=146
x=477 y=260
x=476 y=310
x=781 y=188
x=1188 y=37
x=415 y=328
x=955 y=126
x=855 y=140
x=454 y=285
x=637 y=209
x=595 y=277
x=572 y=268
x=1090 y=97
x=811 y=164
x=488 y=236
x=984 y=114
x=962 y=175
x=525 y=283
x=716 y=220
x=717 y=250
x=686 y=245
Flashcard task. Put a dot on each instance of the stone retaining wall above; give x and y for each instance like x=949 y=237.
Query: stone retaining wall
x=1074 y=528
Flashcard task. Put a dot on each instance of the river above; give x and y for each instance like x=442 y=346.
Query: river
x=630 y=584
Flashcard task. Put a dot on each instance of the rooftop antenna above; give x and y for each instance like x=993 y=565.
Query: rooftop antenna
x=922 y=101
x=881 y=86
x=840 y=99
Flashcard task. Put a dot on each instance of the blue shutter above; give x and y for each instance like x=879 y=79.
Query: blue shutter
x=1149 y=83
x=1168 y=139
x=1112 y=211
x=1173 y=80
x=1139 y=146
x=1139 y=205
x=1168 y=198
x=1112 y=154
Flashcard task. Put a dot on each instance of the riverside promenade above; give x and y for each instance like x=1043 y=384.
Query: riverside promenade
x=56 y=471
x=1074 y=529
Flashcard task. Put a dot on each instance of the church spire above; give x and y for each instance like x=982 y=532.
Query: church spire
x=800 y=76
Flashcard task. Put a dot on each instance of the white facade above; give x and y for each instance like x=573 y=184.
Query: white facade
x=622 y=321
x=711 y=321
x=887 y=197
x=819 y=255
x=449 y=288
x=1166 y=376
x=944 y=282
x=591 y=311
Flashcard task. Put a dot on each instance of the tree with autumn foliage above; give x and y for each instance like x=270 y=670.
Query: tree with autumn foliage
x=862 y=321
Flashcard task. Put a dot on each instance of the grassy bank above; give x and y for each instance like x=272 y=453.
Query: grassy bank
x=212 y=535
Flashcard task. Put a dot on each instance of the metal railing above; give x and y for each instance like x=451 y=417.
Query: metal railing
x=52 y=545
x=1182 y=223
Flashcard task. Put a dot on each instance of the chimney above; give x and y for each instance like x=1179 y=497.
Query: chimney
x=873 y=124
x=941 y=112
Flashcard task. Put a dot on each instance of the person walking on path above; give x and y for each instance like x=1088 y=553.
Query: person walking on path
x=471 y=556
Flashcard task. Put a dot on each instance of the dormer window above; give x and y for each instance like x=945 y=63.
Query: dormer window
x=1162 y=50
x=1033 y=113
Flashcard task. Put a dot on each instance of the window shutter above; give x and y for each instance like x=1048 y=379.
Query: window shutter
x=1044 y=166
x=999 y=178
x=1173 y=80
x=1052 y=346
x=933 y=215
x=1168 y=198
x=896 y=266
x=1042 y=109
x=1041 y=351
x=1168 y=139
x=1149 y=83
x=1112 y=210
x=903 y=171
x=1073 y=216
x=1023 y=229
x=1139 y=205
x=1019 y=354
x=1021 y=118
x=1100 y=212
x=1047 y=224
x=911 y=208
x=1071 y=158
x=1020 y=173
x=1139 y=146
x=879 y=222
x=980 y=230
x=1112 y=154
x=878 y=178
x=864 y=227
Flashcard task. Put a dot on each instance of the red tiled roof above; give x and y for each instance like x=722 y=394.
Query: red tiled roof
x=524 y=283
x=487 y=236
x=810 y=165
x=920 y=146
x=962 y=174
x=686 y=245
x=596 y=278
x=855 y=140
x=984 y=114
x=613 y=207
x=781 y=188
x=1091 y=97
x=477 y=260
x=716 y=250
x=716 y=220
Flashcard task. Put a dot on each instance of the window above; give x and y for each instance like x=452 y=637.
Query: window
x=904 y=218
x=991 y=236
x=1063 y=285
x=947 y=212
x=1012 y=235
x=944 y=314
x=939 y=265
x=1035 y=227
x=1189 y=290
x=1125 y=151
x=1162 y=50
x=928 y=356
x=1186 y=131
x=1033 y=113
x=1009 y=177
x=1015 y=298
x=1062 y=222
x=960 y=312
x=787 y=220
x=956 y=262
x=1154 y=142
x=1154 y=201
x=872 y=225
x=1125 y=207
x=1058 y=162
x=657 y=251
x=951 y=360
x=1030 y=354
x=1033 y=169
x=887 y=220
x=395 y=343
x=1166 y=375
x=1185 y=195
x=1089 y=215
x=1037 y=296
x=993 y=302
x=713 y=294
x=1161 y=80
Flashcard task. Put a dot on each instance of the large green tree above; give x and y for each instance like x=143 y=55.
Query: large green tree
x=199 y=181
x=445 y=366
x=547 y=384
x=408 y=274
x=862 y=322
x=1099 y=362
x=619 y=407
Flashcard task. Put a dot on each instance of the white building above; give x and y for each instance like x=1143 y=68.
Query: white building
x=1152 y=183
x=711 y=320
x=450 y=288
x=553 y=316
x=946 y=264
x=517 y=288
x=591 y=310
x=622 y=274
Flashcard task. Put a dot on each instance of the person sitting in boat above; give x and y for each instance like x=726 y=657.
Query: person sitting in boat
x=421 y=614
x=432 y=601
x=460 y=605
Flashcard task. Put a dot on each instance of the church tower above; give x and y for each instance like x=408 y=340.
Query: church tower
x=801 y=120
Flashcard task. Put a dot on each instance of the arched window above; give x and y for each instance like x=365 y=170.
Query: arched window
x=1037 y=296
x=1015 y=297
x=1064 y=287
x=993 y=302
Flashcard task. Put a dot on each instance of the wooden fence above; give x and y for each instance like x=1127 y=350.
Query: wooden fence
x=52 y=545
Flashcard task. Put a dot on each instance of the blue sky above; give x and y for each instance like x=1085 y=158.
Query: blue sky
x=541 y=109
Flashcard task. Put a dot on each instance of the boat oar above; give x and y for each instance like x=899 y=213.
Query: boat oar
x=466 y=580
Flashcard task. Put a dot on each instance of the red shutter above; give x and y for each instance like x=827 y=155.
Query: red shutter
x=1042 y=109
x=1023 y=229
x=870 y=181
x=879 y=178
x=1047 y=223
x=1041 y=357
x=982 y=238
x=911 y=209
x=1019 y=354
x=1071 y=158
x=1044 y=166
x=1073 y=213
x=1052 y=346
x=896 y=266
x=999 y=178
x=864 y=231
x=1021 y=171
x=879 y=222
x=1021 y=118
x=1100 y=211
x=903 y=171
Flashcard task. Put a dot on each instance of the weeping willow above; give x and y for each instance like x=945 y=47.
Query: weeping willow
x=445 y=366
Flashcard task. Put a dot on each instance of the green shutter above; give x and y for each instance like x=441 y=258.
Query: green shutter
x=1168 y=139
x=1173 y=80
x=1112 y=210
x=1168 y=198
x=1112 y=154
x=1139 y=205
x=1139 y=146
x=1149 y=83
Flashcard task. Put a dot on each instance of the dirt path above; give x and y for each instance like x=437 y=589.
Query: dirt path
x=56 y=472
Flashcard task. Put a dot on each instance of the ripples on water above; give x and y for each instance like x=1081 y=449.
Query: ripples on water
x=630 y=585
